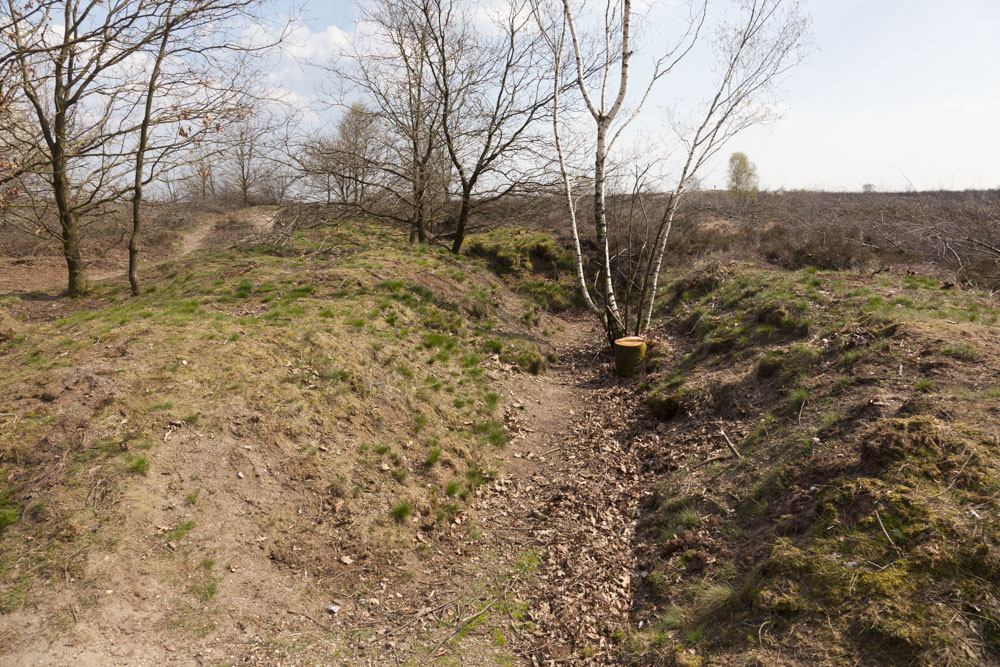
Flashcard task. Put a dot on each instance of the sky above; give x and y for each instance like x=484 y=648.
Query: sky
x=901 y=94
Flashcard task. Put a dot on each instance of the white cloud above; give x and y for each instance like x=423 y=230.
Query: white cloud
x=316 y=47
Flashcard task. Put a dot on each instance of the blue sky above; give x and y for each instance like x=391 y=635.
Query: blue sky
x=898 y=93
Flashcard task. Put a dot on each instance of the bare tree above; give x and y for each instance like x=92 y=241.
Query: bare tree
x=554 y=32
x=605 y=106
x=764 y=40
x=196 y=178
x=387 y=71
x=493 y=90
x=87 y=74
x=200 y=77
x=246 y=157
x=342 y=167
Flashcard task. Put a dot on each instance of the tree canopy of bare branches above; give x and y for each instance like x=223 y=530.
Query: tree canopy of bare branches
x=113 y=90
x=760 y=42
x=453 y=101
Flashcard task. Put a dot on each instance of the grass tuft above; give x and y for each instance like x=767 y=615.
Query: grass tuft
x=401 y=510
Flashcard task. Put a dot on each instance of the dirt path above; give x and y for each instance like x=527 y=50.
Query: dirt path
x=572 y=500
x=29 y=274
x=195 y=239
x=541 y=567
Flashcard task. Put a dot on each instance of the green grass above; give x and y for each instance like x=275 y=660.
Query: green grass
x=181 y=530
x=205 y=591
x=495 y=433
x=139 y=465
x=843 y=520
x=401 y=510
x=797 y=398
x=271 y=351
x=8 y=517
x=961 y=350
x=419 y=422
x=243 y=289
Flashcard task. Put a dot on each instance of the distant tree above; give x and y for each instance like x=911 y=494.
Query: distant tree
x=341 y=168
x=742 y=176
x=253 y=160
x=868 y=188
x=386 y=71
x=490 y=84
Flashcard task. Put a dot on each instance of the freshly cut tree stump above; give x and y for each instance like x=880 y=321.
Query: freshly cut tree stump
x=629 y=355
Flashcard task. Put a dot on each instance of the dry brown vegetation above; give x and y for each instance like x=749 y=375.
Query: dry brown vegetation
x=956 y=231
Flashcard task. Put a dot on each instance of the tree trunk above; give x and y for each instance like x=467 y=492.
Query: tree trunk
x=140 y=161
x=77 y=284
x=463 y=219
x=418 y=230
x=613 y=324
x=421 y=227
x=630 y=352
x=133 y=242
x=71 y=251
x=653 y=275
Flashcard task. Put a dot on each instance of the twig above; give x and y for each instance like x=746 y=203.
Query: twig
x=730 y=444
x=427 y=612
x=462 y=625
x=469 y=619
x=153 y=548
x=299 y=613
x=801 y=408
x=955 y=478
x=710 y=459
x=884 y=531
x=551 y=451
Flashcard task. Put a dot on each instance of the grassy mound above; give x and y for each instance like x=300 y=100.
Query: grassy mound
x=248 y=401
x=860 y=522
x=531 y=262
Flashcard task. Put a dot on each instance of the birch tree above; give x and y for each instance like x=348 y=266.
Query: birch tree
x=753 y=50
x=764 y=40
x=605 y=103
